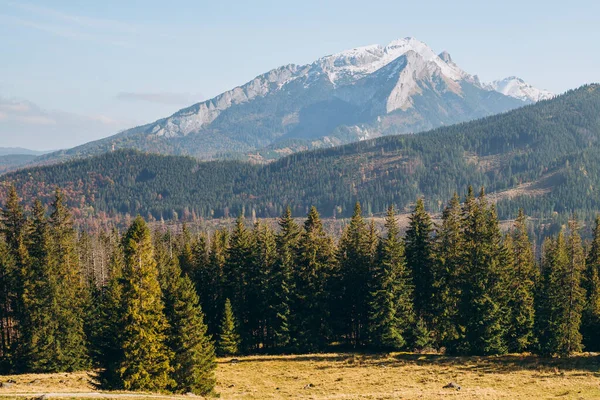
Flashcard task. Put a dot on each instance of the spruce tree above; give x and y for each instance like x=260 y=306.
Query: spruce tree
x=108 y=327
x=15 y=228
x=263 y=258
x=146 y=359
x=69 y=293
x=483 y=293
x=281 y=284
x=522 y=278
x=390 y=307
x=39 y=335
x=419 y=258
x=229 y=339
x=7 y=266
x=193 y=352
x=210 y=278
x=560 y=299
x=449 y=271
x=237 y=273
x=591 y=315
x=354 y=265
x=316 y=260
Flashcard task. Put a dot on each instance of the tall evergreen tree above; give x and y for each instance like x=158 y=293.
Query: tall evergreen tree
x=354 y=265
x=108 y=326
x=13 y=320
x=7 y=266
x=237 y=272
x=482 y=305
x=281 y=284
x=419 y=258
x=560 y=296
x=210 y=279
x=229 y=339
x=521 y=280
x=316 y=259
x=193 y=352
x=390 y=307
x=264 y=258
x=69 y=293
x=146 y=359
x=591 y=315
x=449 y=271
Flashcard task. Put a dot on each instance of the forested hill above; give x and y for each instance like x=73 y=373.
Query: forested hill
x=544 y=157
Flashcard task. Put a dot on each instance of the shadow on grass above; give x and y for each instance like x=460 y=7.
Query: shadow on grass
x=488 y=364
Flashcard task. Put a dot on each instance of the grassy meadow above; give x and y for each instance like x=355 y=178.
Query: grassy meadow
x=364 y=376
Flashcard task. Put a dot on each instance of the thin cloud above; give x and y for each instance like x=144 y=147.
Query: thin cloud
x=169 y=98
x=70 y=26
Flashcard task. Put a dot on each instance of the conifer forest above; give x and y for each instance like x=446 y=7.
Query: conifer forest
x=147 y=308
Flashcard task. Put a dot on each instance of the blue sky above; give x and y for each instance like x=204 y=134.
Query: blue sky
x=74 y=71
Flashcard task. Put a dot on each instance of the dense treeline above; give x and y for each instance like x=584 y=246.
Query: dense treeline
x=553 y=144
x=143 y=308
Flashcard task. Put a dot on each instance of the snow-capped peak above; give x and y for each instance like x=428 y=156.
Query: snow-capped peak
x=354 y=64
x=519 y=89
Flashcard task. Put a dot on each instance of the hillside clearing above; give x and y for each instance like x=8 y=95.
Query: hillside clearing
x=365 y=376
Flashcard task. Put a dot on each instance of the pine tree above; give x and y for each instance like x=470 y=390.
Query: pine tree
x=522 y=278
x=7 y=266
x=354 y=264
x=560 y=296
x=281 y=284
x=68 y=294
x=40 y=330
x=237 y=272
x=146 y=359
x=210 y=278
x=390 y=307
x=14 y=228
x=591 y=316
x=263 y=259
x=229 y=339
x=316 y=259
x=193 y=353
x=419 y=258
x=449 y=258
x=482 y=305
x=108 y=327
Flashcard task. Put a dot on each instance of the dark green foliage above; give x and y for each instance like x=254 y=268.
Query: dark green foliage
x=560 y=297
x=522 y=275
x=282 y=283
x=483 y=292
x=355 y=257
x=229 y=339
x=316 y=258
x=391 y=303
x=419 y=258
x=449 y=273
x=238 y=271
x=146 y=359
x=62 y=298
x=591 y=283
x=193 y=353
x=107 y=327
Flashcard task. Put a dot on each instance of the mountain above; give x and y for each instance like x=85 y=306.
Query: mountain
x=19 y=150
x=362 y=93
x=519 y=89
x=543 y=157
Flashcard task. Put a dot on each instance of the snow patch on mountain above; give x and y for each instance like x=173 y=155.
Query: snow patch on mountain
x=519 y=89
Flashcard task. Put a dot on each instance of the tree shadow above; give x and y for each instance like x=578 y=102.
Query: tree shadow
x=478 y=364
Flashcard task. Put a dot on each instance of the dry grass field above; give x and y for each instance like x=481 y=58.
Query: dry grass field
x=365 y=376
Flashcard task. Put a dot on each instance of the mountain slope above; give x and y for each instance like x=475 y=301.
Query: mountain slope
x=544 y=157
x=366 y=92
